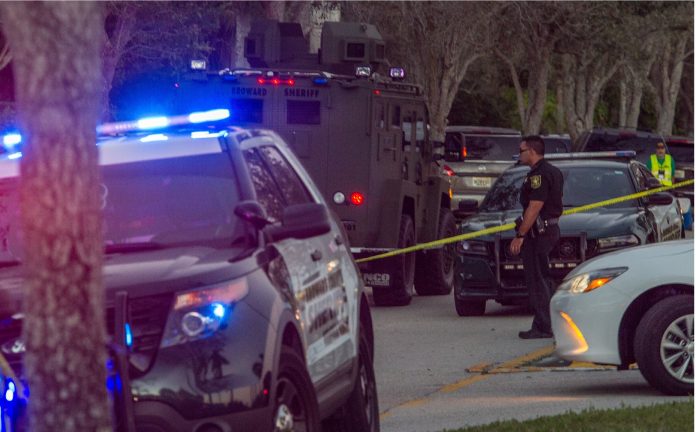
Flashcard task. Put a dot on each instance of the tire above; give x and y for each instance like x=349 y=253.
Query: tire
x=662 y=344
x=469 y=307
x=295 y=393
x=436 y=267
x=360 y=413
x=402 y=269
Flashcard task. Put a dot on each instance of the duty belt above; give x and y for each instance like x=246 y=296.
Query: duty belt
x=551 y=221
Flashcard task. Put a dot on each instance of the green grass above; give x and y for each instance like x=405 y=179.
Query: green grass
x=669 y=417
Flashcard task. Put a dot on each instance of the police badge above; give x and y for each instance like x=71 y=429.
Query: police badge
x=535 y=181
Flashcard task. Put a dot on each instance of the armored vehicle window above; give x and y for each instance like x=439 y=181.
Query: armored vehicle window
x=407 y=128
x=303 y=112
x=290 y=184
x=420 y=132
x=379 y=51
x=247 y=110
x=396 y=116
x=355 y=50
x=266 y=190
x=379 y=115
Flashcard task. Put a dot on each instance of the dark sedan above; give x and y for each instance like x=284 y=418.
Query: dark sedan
x=485 y=268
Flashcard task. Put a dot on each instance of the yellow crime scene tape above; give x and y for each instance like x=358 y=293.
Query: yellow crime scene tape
x=436 y=243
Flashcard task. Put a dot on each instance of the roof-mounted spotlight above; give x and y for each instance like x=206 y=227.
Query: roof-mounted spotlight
x=363 y=71
x=199 y=65
x=397 y=73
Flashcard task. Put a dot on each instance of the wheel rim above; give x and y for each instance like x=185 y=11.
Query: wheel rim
x=291 y=414
x=677 y=349
x=367 y=389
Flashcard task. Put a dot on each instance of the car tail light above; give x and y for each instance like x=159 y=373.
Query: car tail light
x=356 y=198
x=464 y=152
x=449 y=171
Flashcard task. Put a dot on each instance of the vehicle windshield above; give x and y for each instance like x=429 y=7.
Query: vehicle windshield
x=682 y=153
x=152 y=204
x=643 y=146
x=581 y=186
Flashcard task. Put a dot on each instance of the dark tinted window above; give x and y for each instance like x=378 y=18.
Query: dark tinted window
x=267 y=191
x=582 y=185
x=683 y=153
x=491 y=147
x=303 y=112
x=556 y=145
x=246 y=110
x=355 y=50
x=643 y=146
x=453 y=147
x=379 y=51
x=290 y=184
x=396 y=116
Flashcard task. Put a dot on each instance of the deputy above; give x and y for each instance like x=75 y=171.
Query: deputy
x=538 y=232
x=662 y=165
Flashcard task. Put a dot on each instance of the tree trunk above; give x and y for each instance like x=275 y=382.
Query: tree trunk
x=113 y=50
x=241 y=30
x=57 y=69
x=668 y=81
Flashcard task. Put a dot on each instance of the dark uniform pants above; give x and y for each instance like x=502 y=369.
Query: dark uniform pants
x=535 y=257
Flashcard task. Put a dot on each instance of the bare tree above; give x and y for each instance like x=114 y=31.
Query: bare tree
x=588 y=58
x=435 y=41
x=666 y=78
x=56 y=58
x=526 y=37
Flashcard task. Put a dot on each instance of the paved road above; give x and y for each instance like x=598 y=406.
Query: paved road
x=424 y=352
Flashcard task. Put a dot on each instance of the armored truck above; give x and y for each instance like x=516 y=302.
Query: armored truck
x=360 y=130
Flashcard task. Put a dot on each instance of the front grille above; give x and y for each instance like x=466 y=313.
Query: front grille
x=147 y=317
x=566 y=250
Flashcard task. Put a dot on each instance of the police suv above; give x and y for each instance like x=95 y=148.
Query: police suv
x=361 y=132
x=229 y=285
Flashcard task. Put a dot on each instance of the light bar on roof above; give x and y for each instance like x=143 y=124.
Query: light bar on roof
x=629 y=154
x=163 y=122
x=11 y=140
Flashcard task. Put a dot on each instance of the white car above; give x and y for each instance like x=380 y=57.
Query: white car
x=633 y=305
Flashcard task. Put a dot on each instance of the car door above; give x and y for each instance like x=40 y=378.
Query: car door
x=322 y=297
x=667 y=218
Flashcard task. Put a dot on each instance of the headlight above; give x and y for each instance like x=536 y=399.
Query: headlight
x=200 y=313
x=473 y=246
x=587 y=282
x=617 y=242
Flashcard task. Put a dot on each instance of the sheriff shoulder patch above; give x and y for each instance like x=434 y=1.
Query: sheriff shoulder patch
x=535 y=181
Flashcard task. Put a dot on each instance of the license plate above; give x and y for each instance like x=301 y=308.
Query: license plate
x=482 y=182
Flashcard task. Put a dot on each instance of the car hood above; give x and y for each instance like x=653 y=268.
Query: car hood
x=596 y=223
x=671 y=256
x=145 y=273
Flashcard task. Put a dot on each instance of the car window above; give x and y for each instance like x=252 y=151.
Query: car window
x=169 y=202
x=682 y=153
x=641 y=176
x=267 y=192
x=491 y=147
x=556 y=145
x=291 y=186
x=453 y=147
x=581 y=186
x=643 y=146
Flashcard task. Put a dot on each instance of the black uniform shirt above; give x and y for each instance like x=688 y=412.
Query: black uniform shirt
x=544 y=182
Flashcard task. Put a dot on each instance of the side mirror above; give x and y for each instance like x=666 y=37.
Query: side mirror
x=468 y=205
x=684 y=205
x=252 y=212
x=660 y=199
x=301 y=221
x=653 y=183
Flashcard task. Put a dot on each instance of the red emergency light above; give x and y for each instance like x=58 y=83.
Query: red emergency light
x=357 y=198
x=275 y=81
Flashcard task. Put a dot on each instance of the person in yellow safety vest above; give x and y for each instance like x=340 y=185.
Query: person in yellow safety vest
x=662 y=165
